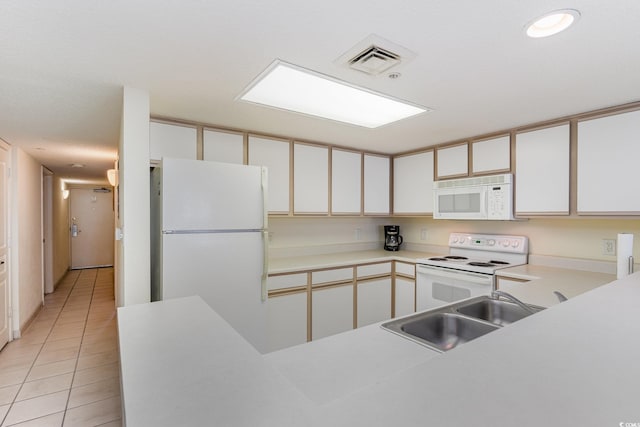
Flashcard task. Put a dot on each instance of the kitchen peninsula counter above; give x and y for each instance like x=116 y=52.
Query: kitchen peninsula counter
x=572 y=364
x=540 y=281
x=279 y=265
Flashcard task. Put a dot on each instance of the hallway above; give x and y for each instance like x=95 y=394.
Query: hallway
x=65 y=369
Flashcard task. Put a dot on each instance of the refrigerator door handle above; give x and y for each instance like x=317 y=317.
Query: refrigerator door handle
x=265 y=264
x=264 y=183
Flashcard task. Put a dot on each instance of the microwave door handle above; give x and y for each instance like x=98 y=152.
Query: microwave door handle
x=469 y=276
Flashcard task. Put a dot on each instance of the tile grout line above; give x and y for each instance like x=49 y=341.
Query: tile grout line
x=93 y=290
x=75 y=282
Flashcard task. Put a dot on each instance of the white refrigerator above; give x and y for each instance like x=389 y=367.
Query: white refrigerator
x=209 y=238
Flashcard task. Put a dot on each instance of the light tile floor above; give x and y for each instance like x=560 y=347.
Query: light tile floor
x=65 y=370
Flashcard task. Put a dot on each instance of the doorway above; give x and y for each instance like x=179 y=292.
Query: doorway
x=4 y=250
x=91 y=227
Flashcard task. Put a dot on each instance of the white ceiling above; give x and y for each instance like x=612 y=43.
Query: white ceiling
x=63 y=64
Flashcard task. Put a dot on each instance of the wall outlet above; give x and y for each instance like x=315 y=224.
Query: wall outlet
x=423 y=234
x=358 y=233
x=609 y=247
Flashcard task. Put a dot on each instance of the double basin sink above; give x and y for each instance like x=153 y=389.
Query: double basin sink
x=447 y=327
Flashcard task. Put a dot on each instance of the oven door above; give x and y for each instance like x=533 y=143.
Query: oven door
x=437 y=286
x=460 y=203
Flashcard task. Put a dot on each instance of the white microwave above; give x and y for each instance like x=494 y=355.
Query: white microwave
x=482 y=197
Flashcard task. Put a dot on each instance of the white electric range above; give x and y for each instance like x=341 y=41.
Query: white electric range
x=469 y=269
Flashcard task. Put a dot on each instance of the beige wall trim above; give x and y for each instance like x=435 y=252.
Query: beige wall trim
x=329 y=285
x=367 y=279
x=274 y=293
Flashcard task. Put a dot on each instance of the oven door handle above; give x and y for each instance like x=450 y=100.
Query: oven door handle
x=483 y=279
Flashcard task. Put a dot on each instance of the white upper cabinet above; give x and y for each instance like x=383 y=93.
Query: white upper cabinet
x=169 y=140
x=274 y=154
x=346 y=182
x=310 y=179
x=413 y=184
x=491 y=155
x=220 y=146
x=453 y=161
x=542 y=171
x=376 y=184
x=608 y=173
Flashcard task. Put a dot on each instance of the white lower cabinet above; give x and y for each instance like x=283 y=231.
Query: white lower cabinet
x=332 y=311
x=405 y=296
x=287 y=320
x=374 y=301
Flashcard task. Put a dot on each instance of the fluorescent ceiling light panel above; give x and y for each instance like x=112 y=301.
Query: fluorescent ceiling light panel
x=296 y=89
x=552 y=23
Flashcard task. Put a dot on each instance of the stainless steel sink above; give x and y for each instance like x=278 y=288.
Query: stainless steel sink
x=444 y=331
x=495 y=311
x=447 y=327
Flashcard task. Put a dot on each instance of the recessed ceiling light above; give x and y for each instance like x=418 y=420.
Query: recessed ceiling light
x=76 y=165
x=296 y=89
x=552 y=23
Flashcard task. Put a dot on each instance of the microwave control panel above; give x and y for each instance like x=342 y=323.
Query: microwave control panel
x=499 y=201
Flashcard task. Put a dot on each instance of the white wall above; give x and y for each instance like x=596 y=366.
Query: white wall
x=562 y=237
x=132 y=258
x=61 y=248
x=298 y=235
x=571 y=238
x=26 y=239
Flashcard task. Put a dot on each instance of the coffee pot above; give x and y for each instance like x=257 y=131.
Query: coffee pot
x=392 y=237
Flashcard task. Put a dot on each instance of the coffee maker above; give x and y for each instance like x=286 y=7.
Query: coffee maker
x=392 y=237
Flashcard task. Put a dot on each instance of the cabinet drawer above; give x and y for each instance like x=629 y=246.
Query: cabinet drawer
x=327 y=276
x=287 y=281
x=406 y=269
x=374 y=269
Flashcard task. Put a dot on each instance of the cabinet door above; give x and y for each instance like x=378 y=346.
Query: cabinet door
x=542 y=171
x=346 y=182
x=453 y=161
x=405 y=296
x=376 y=184
x=222 y=146
x=332 y=311
x=167 y=140
x=310 y=179
x=274 y=154
x=374 y=301
x=286 y=320
x=413 y=184
x=608 y=173
x=491 y=155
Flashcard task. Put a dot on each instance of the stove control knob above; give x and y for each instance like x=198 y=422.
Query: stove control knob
x=454 y=239
x=515 y=243
x=491 y=242
x=505 y=243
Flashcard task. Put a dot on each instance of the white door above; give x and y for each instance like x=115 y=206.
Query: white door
x=4 y=262
x=225 y=270
x=92 y=228
x=200 y=195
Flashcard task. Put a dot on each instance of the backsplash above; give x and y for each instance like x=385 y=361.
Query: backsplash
x=570 y=238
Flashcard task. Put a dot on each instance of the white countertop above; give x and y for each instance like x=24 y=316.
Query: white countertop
x=543 y=280
x=341 y=259
x=572 y=364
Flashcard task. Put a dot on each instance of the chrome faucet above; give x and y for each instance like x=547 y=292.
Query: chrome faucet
x=497 y=294
x=560 y=297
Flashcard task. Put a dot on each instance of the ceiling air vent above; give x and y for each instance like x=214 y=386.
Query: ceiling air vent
x=374 y=60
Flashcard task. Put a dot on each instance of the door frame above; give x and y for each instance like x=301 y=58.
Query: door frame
x=8 y=226
x=47 y=231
